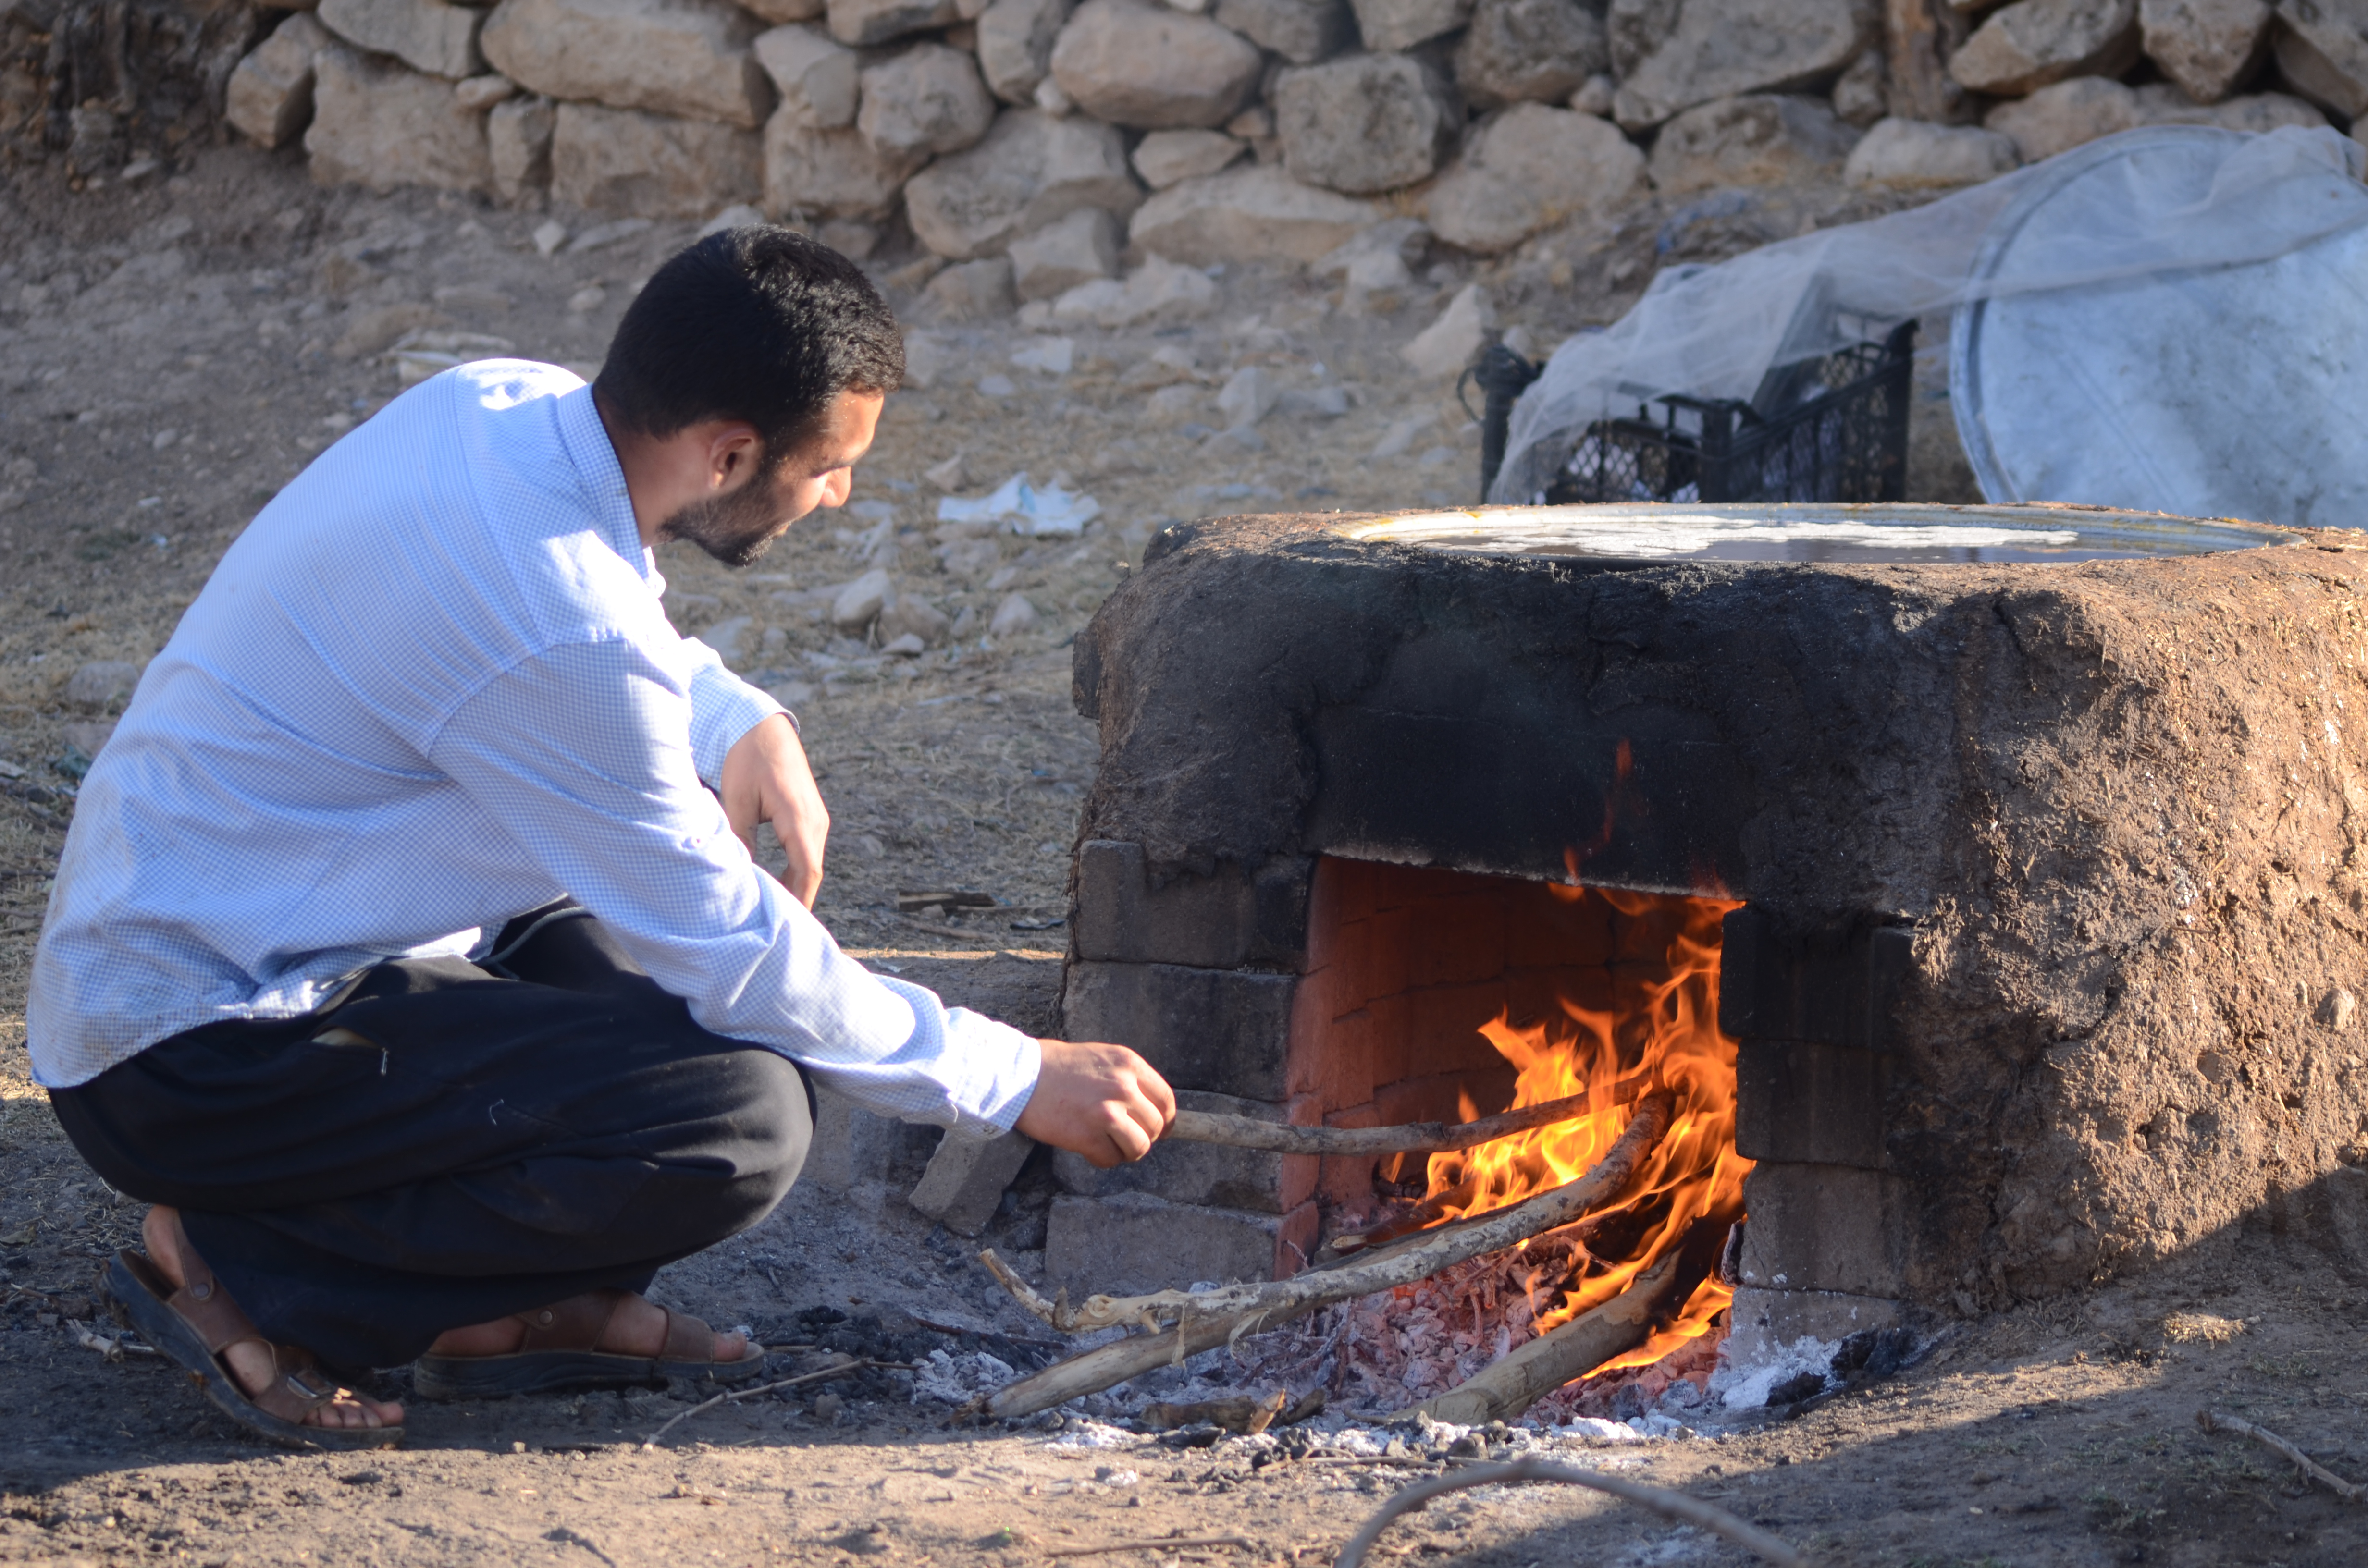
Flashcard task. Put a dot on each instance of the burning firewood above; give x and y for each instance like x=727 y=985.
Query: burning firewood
x=1511 y=1384
x=1406 y=1138
x=1418 y=1258
x=1206 y=1319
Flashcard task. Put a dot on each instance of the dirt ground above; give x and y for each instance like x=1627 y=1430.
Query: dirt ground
x=169 y=356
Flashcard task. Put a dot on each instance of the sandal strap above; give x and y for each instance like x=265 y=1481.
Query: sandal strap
x=575 y=1323
x=202 y=1302
x=687 y=1338
x=297 y=1389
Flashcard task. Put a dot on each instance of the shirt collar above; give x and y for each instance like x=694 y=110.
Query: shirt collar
x=588 y=447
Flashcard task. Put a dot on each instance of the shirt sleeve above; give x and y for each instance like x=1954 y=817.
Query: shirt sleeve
x=584 y=754
x=722 y=709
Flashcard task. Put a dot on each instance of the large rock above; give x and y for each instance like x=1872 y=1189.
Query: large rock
x=926 y=100
x=2161 y=103
x=652 y=165
x=1529 y=169
x=1165 y=157
x=377 y=124
x=1248 y=214
x=1634 y=29
x=1524 y=51
x=780 y=11
x=1762 y=139
x=829 y=173
x=876 y=21
x=517 y=136
x=1057 y=258
x=1402 y=24
x=1014 y=46
x=1301 y=31
x=2208 y=47
x=1031 y=170
x=2322 y=53
x=1912 y=155
x=269 y=96
x=2059 y=118
x=1159 y=290
x=2026 y=46
x=680 y=57
x=1365 y=123
x=817 y=76
x=1723 y=48
x=426 y=35
x=1150 y=67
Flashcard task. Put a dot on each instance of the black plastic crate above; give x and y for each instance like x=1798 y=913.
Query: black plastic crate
x=1831 y=429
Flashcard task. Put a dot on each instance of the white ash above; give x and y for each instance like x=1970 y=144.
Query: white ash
x=1746 y=1386
x=946 y=1378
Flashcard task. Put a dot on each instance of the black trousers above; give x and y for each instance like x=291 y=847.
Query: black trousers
x=503 y=1141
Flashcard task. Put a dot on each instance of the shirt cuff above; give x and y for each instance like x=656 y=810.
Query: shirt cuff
x=722 y=709
x=1003 y=1064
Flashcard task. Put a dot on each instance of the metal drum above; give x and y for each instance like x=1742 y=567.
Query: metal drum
x=1639 y=534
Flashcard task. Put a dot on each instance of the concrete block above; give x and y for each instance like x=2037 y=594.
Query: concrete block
x=1221 y=1032
x=1800 y=1103
x=1132 y=1243
x=1835 y=985
x=1191 y=1173
x=1825 y=1228
x=853 y=1148
x=1229 y=920
x=1763 y=1323
x=966 y=1178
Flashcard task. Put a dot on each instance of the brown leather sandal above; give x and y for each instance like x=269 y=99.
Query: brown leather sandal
x=196 y=1323
x=558 y=1352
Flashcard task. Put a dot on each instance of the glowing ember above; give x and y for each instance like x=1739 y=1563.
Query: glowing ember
x=1658 y=1028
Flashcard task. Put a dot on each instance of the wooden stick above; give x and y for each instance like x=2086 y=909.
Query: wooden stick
x=1669 y=1505
x=1418 y=1257
x=1510 y=1384
x=1177 y=1545
x=2213 y=1421
x=1406 y=1138
x=1218 y=1317
x=842 y=1370
x=1109 y=1365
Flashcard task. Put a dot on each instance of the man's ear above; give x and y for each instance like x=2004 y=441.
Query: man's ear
x=735 y=453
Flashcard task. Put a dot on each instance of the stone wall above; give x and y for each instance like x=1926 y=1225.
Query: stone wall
x=1036 y=145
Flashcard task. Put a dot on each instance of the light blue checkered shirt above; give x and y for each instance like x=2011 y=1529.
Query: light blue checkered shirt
x=430 y=688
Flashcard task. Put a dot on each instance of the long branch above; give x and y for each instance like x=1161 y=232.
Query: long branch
x=1418 y=1258
x=1403 y=1138
x=1510 y=1384
x=1669 y=1505
x=2220 y=1421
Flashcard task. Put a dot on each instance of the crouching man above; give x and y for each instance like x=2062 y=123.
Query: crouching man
x=407 y=953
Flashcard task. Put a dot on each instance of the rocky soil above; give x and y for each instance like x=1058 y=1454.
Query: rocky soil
x=172 y=352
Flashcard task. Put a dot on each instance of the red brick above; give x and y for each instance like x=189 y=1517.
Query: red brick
x=1444 y=1028
x=1436 y=1098
x=1391 y=1043
x=1388 y=957
x=1394 y=887
x=1294 y=1242
x=1347 y=1179
x=1544 y=928
x=1457 y=940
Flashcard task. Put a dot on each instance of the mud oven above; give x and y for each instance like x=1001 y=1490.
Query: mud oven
x=1987 y=883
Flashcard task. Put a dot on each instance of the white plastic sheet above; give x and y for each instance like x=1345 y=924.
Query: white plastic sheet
x=1025 y=508
x=1715 y=331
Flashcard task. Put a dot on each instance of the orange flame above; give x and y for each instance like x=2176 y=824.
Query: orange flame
x=1661 y=1032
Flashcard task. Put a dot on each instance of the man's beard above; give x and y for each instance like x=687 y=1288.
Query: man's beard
x=736 y=527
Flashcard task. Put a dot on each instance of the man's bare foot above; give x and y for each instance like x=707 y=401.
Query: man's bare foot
x=249 y=1362
x=639 y=1328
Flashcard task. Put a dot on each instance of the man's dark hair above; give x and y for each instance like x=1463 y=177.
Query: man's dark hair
x=758 y=323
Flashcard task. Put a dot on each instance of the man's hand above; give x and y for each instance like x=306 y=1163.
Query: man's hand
x=766 y=780
x=1101 y=1101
